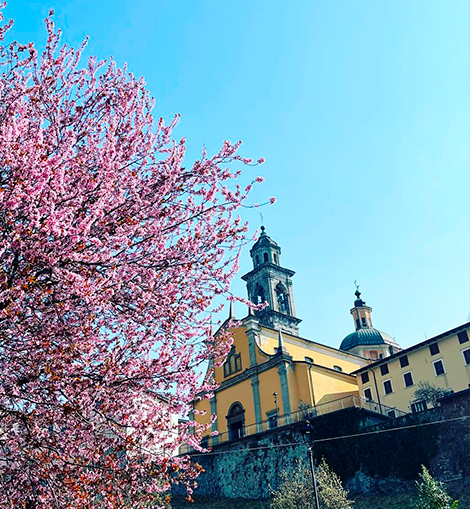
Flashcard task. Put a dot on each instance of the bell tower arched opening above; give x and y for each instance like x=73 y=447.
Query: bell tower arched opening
x=282 y=299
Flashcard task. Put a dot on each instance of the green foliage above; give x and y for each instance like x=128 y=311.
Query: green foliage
x=304 y=406
x=306 y=410
x=330 y=489
x=296 y=490
x=428 y=392
x=432 y=494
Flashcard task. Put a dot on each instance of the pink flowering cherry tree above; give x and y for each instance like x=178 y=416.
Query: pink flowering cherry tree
x=111 y=252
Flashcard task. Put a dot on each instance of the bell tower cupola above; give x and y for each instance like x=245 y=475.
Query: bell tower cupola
x=269 y=282
x=360 y=312
x=367 y=341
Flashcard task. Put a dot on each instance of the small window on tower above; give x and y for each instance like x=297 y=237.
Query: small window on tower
x=363 y=320
x=357 y=323
x=275 y=258
x=265 y=256
x=257 y=259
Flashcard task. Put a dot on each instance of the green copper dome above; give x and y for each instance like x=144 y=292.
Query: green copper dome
x=367 y=336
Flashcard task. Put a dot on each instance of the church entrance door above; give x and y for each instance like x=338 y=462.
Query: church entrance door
x=236 y=421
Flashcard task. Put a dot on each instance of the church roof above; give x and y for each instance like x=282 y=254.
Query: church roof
x=365 y=337
x=264 y=241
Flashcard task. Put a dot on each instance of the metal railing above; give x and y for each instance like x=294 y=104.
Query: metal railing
x=308 y=413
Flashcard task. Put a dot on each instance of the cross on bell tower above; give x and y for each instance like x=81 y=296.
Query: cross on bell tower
x=271 y=283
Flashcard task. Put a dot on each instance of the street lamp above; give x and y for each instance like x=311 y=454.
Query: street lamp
x=307 y=431
x=277 y=410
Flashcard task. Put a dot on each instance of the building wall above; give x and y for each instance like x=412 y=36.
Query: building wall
x=456 y=376
x=300 y=348
x=241 y=393
x=385 y=462
x=304 y=381
x=241 y=346
x=269 y=382
x=330 y=382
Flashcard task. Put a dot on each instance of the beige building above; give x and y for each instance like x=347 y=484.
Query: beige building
x=443 y=361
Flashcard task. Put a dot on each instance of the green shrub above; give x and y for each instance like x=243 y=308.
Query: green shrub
x=330 y=489
x=428 y=392
x=296 y=490
x=432 y=494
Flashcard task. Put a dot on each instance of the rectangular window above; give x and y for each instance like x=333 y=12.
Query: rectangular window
x=367 y=393
x=392 y=414
x=434 y=349
x=439 y=367
x=384 y=369
x=388 y=386
x=404 y=361
x=365 y=377
x=463 y=336
x=363 y=320
x=272 y=419
x=418 y=406
x=408 y=379
x=466 y=356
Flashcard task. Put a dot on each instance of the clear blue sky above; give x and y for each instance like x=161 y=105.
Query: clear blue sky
x=362 y=112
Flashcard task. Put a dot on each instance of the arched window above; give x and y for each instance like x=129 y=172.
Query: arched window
x=275 y=258
x=233 y=363
x=265 y=257
x=259 y=296
x=256 y=260
x=282 y=299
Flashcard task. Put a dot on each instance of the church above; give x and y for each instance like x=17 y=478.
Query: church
x=272 y=375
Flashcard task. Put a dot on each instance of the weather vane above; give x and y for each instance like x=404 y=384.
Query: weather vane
x=356 y=285
x=262 y=218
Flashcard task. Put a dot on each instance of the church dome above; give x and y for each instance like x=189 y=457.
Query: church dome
x=367 y=336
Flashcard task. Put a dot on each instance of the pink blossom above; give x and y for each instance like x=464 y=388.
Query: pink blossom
x=259 y=179
x=272 y=200
x=112 y=250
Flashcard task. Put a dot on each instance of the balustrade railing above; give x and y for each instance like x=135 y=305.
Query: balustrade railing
x=298 y=416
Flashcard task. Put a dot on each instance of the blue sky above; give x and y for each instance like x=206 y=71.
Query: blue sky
x=361 y=110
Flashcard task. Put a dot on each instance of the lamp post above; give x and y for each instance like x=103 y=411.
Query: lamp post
x=277 y=409
x=307 y=431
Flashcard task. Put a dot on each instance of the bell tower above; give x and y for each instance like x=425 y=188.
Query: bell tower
x=269 y=282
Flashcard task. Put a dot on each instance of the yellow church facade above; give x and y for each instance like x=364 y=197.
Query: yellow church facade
x=269 y=375
x=273 y=376
x=271 y=372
